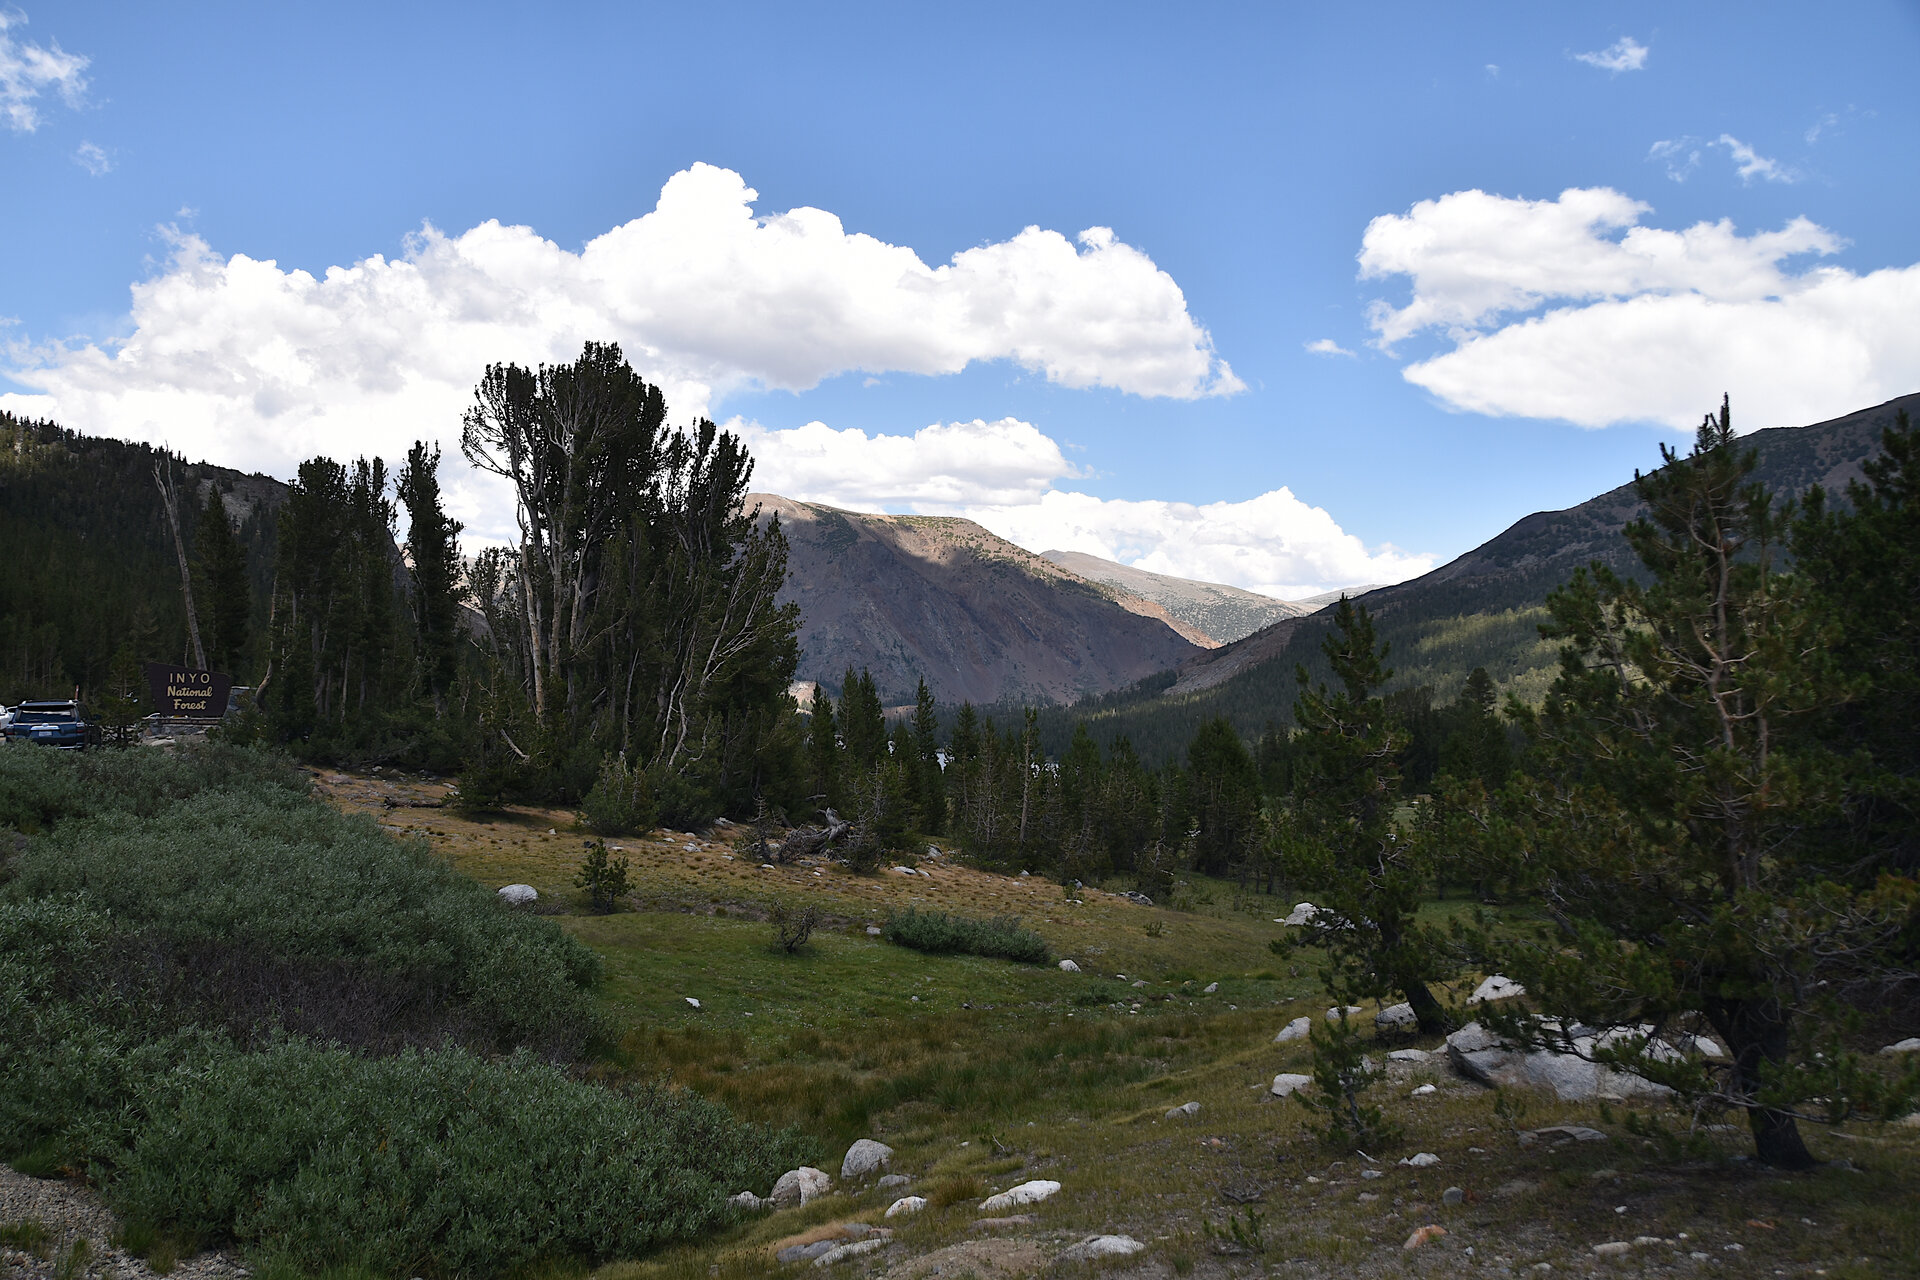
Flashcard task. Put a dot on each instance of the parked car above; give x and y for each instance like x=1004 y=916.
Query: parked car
x=51 y=724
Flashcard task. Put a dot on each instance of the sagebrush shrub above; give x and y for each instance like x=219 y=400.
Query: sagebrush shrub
x=937 y=932
x=438 y=1163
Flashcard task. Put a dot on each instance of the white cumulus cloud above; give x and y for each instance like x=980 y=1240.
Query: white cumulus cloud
x=239 y=360
x=93 y=158
x=1571 y=309
x=1006 y=475
x=28 y=70
x=1682 y=156
x=1751 y=164
x=1272 y=543
x=1327 y=347
x=940 y=467
x=1624 y=54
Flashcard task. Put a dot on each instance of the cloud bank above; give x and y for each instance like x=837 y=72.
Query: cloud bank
x=236 y=358
x=27 y=71
x=1572 y=309
x=1004 y=475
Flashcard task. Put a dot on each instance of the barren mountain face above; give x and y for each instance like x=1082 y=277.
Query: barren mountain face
x=941 y=599
x=1220 y=612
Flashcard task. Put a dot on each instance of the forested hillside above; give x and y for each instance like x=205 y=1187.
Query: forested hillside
x=90 y=564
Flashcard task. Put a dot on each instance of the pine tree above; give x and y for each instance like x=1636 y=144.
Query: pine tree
x=1224 y=790
x=433 y=547
x=1674 y=823
x=1343 y=840
x=932 y=797
x=223 y=589
x=863 y=725
x=823 y=752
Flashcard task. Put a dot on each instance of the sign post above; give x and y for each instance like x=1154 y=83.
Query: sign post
x=180 y=693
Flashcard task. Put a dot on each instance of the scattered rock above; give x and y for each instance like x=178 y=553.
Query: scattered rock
x=797 y=1186
x=1409 y=1055
x=1136 y=897
x=1705 y=1046
x=1424 y=1234
x=873 y=931
x=1184 y=1110
x=1395 y=1017
x=1556 y=1133
x=1288 y=1082
x=1139 y=982
x=1497 y=987
x=906 y=1204
x=1004 y=1223
x=906 y=871
x=1424 y=1160
x=748 y=1201
x=1208 y=990
x=806 y=1252
x=1302 y=913
x=1424 y=1090
x=1026 y=1193
x=840 y=1253
x=863 y=1158
x=893 y=1180
x=1612 y=1249
x=1910 y=1045
x=1295 y=1030
x=515 y=895
x=1068 y=966
x=1480 y=1055
x=1333 y=1014
x=693 y=1002
x=1101 y=1247
x=1453 y=1196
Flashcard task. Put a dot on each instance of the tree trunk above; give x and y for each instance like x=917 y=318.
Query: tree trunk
x=1427 y=1011
x=1776 y=1140
x=170 y=500
x=1757 y=1034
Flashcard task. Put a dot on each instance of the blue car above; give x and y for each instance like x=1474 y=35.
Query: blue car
x=51 y=724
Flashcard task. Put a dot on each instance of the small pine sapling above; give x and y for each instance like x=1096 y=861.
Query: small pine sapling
x=1341 y=1078
x=603 y=877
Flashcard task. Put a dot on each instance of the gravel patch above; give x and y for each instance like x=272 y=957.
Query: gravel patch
x=69 y=1212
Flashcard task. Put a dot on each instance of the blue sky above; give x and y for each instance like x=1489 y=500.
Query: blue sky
x=1386 y=182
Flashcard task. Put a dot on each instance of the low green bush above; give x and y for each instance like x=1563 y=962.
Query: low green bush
x=250 y=1018
x=278 y=888
x=621 y=802
x=438 y=1164
x=942 y=934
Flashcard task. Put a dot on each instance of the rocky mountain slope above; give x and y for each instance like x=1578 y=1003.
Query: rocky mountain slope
x=1481 y=609
x=1222 y=613
x=941 y=599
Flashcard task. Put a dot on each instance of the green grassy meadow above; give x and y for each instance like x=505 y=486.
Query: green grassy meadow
x=984 y=1073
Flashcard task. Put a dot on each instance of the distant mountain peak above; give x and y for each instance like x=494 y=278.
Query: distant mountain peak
x=941 y=598
x=1222 y=613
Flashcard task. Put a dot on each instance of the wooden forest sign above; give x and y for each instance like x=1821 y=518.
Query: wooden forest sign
x=183 y=694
